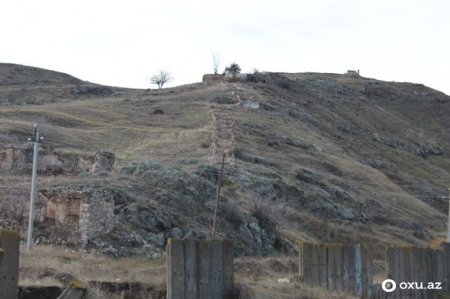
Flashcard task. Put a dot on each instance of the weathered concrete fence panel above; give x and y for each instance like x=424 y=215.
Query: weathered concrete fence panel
x=199 y=269
x=428 y=268
x=419 y=273
x=9 y=264
x=343 y=268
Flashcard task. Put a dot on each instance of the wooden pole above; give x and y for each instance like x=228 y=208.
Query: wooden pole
x=213 y=235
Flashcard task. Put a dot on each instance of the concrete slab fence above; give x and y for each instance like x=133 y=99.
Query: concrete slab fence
x=336 y=267
x=9 y=264
x=199 y=269
x=419 y=273
x=429 y=268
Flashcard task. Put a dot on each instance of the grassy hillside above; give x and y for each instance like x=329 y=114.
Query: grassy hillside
x=322 y=157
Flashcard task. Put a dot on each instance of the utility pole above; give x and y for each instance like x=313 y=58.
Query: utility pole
x=37 y=138
x=217 y=199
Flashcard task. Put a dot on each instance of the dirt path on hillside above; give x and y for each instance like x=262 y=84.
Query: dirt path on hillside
x=223 y=128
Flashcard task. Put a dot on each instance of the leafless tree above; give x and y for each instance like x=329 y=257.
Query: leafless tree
x=161 y=78
x=216 y=63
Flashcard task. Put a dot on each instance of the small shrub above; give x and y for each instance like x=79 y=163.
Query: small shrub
x=153 y=165
x=283 y=84
x=263 y=214
x=205 y=144
x=233 y=214
x=140 y=169
x=241 y=155
x=251 y=78
x=129 y=170
x=158 y=111
x=232 y=70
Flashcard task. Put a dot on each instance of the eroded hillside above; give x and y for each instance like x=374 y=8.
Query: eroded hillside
x=322 y=157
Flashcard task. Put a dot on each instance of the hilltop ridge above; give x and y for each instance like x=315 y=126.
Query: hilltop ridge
x=23 y=85
x=15 y=74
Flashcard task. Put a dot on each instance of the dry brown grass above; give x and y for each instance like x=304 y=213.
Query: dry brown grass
x=43 y=264
x=438 y=242
x=258 y=278
x=255 y=277
x=124 y=125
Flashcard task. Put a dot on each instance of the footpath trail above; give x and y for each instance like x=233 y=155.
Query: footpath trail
x=223 y=128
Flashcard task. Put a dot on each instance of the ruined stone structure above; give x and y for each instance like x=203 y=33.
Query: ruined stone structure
x=62 y=208
x=96 y=218
x=103 y=162
x=213 y=77
x=92 y=214
x=19 y=159
x=352 y=73
x=84 y=214
x=15 y=159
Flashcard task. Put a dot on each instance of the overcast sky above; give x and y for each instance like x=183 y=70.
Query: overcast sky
x=122 y=43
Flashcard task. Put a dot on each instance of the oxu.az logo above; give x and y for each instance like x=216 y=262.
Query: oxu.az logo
x=390 y=285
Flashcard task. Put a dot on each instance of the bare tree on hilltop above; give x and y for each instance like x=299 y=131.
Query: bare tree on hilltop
x=161 y=78
x=216 y=63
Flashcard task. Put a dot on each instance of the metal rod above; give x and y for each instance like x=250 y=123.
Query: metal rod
x=213 y=235
x=33 y=187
